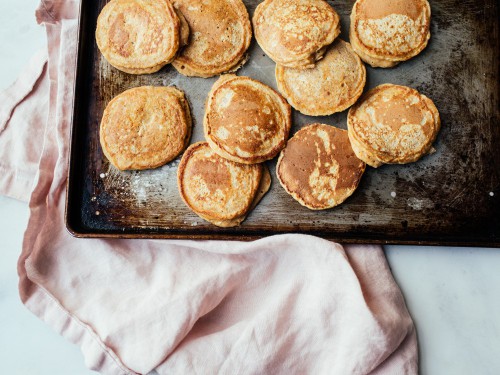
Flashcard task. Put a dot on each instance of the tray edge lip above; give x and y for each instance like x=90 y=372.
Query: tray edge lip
x=67 y=222
x=252 y=237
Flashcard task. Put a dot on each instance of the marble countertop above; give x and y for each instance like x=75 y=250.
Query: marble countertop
x=453 y=294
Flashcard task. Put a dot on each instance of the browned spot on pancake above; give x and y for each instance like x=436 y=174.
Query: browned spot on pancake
x=119 y=37
x=298 y=163
x=214 y=28
x=398 y=112
x=376 y=9
x=123 y=37
x=213 y=172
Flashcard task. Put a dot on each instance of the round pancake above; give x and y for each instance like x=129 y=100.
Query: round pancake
x=393 y=124
x=333 y=85
x=216 y=189
x=384 y=33
x=220 y=36
x=138 y=36
x=245 y=120
x=145 y=127
x=318 y=167
x=294 y=33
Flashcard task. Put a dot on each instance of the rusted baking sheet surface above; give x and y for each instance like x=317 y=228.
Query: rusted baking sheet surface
x=450 y=197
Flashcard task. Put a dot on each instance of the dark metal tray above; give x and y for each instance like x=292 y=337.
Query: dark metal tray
x=451 y=197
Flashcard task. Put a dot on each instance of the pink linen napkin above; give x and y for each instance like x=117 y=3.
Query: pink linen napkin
x=289 y=304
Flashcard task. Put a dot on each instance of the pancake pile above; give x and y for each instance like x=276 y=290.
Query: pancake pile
x=318 y=167
x=246 y=121
x=145 y=127
x=220 y=36
x=219 y=190
x=384 y=33
x=333 y=85
x=294 y=33
x=392 y=125
x=140 y=36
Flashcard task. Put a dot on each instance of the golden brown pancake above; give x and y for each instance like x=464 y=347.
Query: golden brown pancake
x=219 y=190
x=139 y=36
x=333 y=85
x=294 y=33
x=245 y=120
x=393 y=125
x=220 y=36
x=384 y=33
x=318 y=167
x=145 y=127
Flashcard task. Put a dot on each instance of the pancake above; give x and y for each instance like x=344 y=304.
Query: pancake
x=384 y=33
x=333 y=85
x=145 y=127
x=318 y=167
x=294 y=33
x=220 y=36
x=139 y=36
x=393 y=125
x=246 y=121
x=219 y=190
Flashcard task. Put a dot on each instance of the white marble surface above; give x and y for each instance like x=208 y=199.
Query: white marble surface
x=453 y=294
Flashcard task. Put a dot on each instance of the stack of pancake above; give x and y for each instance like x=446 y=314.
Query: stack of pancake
x=246 y=122
x=393 y=125
x=385 y=33
x=295 y=33
x=220 y=36
x=219 y=190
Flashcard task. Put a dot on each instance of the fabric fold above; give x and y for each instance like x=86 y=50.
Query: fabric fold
x=21 y=135
x=53 y=11
x=290 y=304
x=22 y=87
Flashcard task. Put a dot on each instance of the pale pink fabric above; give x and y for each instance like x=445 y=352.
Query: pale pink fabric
x=288 y=304
x=21 y=141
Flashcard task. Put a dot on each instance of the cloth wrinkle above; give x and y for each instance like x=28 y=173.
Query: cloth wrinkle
x=44 y=15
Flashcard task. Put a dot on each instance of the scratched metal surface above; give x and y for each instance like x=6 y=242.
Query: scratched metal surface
x=450 y=197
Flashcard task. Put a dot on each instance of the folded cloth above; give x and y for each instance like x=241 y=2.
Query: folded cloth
x=288 y=304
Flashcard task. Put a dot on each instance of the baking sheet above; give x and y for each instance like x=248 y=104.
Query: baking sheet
x=450 y=197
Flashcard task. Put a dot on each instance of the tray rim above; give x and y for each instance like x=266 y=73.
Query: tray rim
x=249 y=238
x=480 y=242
